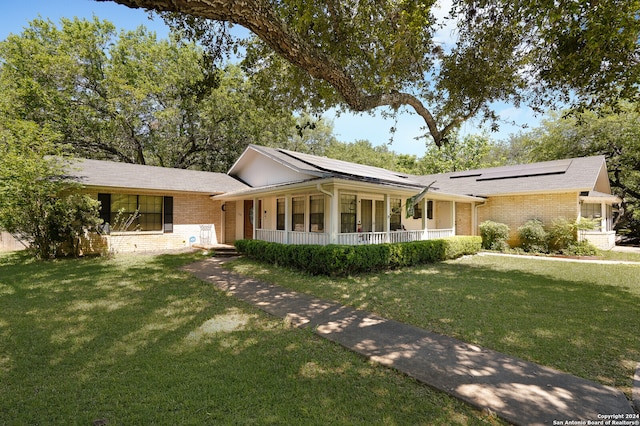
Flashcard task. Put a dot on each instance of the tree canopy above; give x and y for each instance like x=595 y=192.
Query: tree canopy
x=39 y=203
x=363 y=55
x=127 y=96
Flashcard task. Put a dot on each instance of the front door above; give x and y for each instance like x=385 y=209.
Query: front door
x=248 y=219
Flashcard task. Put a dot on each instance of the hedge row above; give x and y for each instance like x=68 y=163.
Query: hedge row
x=342 y=260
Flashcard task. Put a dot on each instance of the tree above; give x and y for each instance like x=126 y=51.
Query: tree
x=616 y=135
x=383 y=53
x=129 y=97
x=38 y=202
x=462 y=153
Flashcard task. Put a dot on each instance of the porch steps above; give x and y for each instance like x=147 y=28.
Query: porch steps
x=225 y=252
x=218 y=250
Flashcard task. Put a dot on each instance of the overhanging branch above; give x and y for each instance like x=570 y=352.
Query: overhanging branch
x=258 y=17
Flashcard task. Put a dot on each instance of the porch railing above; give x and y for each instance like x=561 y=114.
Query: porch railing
x=292 y=237
x=354 y=238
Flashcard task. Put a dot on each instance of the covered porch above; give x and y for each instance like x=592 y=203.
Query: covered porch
x=349 y=213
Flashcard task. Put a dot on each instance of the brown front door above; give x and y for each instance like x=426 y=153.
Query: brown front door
x=248 y=219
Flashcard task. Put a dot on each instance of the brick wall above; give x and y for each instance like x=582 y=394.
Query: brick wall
x=230 y=222
x=189 y=212
x=516 y=210
x=463 y=219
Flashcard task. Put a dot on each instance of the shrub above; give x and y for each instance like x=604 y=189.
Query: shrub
x=345 y=260
x=581 y=248
x=494 y=235
x=562 y=234
x=533 y=237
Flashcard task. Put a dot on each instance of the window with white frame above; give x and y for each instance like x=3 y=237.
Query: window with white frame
x=280 y=214
x=395 y=220
x=316 y=213
x=347 y=213
x=297 y=214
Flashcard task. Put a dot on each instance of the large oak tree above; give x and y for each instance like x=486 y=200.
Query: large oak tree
x=127 y=96
x=365 y=54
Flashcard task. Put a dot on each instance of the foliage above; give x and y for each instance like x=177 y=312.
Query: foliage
x=365 y=55
x=561 y=234
x=494 y=235
x=580 y=248
x=533 y=237
x=461 y=153
x=340 y=260
x=127 y=96
x=38 y=202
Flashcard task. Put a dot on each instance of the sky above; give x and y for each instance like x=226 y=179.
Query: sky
x=16 y=15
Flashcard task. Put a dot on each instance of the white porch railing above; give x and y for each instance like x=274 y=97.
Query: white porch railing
x=353 y=238
x=292 y=237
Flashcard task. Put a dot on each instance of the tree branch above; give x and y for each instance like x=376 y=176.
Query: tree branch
x=258 y=17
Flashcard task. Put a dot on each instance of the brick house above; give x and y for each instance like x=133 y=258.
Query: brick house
x=299 y=198
x=293 y=198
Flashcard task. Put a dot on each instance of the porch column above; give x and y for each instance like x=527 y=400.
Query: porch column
x=453 y=217
x=287 y=218
x=425 y=221
x=387 y=214
x=334 y=217
x=256 y=212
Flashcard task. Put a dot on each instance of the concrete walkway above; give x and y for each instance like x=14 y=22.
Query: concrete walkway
x=518 y=391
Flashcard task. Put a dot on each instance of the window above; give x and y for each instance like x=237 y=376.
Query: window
x=395 y=221
x=592 y=211
x=347 y=213
x=417 y=211
x=429 y=209
x=121 y=207
x=297 y=214
x=280 y=214
x=316 y=213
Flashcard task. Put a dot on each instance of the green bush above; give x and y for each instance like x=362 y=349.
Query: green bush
x=341 y=260
x=533 y=237
x=494 y=235
x=581 y=248
x=561 y=234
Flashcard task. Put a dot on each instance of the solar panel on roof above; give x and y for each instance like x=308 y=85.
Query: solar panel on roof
x=465 y=175
x=527 y=170
x=347 y=168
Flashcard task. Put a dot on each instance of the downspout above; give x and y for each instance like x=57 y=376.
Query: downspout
x=324 y=191
x=475 y=216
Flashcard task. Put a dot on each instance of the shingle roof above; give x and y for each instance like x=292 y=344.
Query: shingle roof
x=574 y=174
x=326 y=167
x=135 y=176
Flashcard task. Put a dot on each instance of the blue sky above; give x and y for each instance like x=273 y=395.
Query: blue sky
x=16 y=15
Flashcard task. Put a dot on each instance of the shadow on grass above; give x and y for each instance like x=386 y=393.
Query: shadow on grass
x=579 y=319
x=132 y=340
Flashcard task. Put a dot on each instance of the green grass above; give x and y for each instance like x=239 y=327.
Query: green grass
x=133 y=340
x=580 y=318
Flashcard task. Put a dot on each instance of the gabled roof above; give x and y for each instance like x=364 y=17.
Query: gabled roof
x=574 y=174
x=314 y=166
x=110 y=174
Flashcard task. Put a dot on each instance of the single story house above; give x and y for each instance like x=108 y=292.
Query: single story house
x=297 y=198
x=294 y=198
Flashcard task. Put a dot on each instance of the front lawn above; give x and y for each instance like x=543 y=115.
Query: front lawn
x=132 y=340
x=580 y=318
